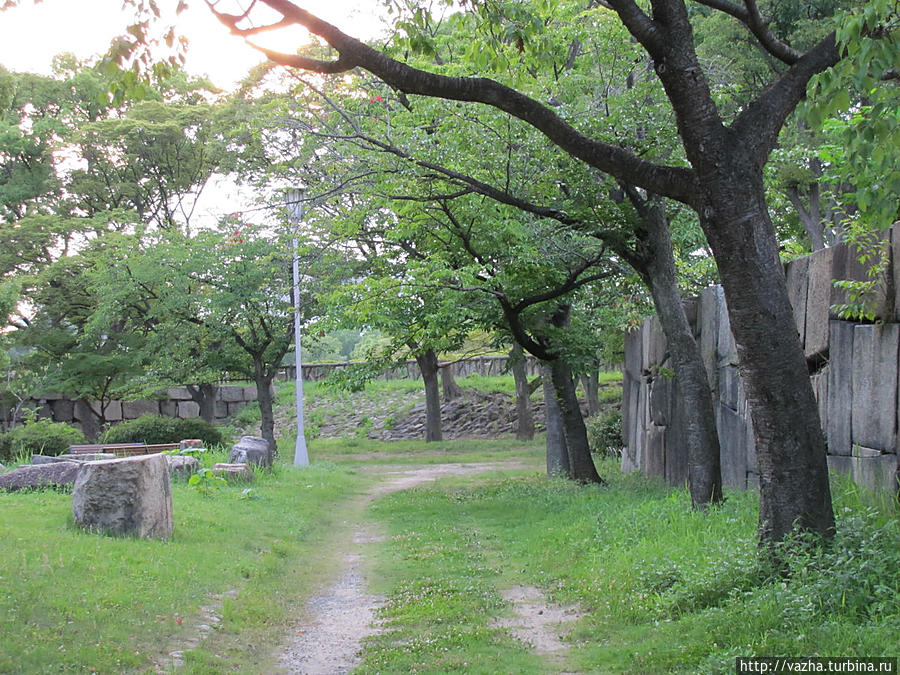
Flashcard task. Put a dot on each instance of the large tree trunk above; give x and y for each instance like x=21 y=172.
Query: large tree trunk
x=525 y=425
x=204 y=395
x=449 y=389
x=581 y=464
x=657 y=267
x=557 y=452
x=790 y=445
x=264 y=398
x=428 y=366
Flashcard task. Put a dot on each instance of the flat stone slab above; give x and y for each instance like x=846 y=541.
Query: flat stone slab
x=54 y=474
x=236 y=471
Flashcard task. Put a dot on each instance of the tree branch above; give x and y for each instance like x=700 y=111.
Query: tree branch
x=750 y=16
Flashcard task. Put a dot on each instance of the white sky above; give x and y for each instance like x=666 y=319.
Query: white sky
x=32 y=34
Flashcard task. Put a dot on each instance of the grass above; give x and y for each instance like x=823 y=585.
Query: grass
x=662 y=589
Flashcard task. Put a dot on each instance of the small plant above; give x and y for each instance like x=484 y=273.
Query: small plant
x=604 y=433
x=41 y=437
x=248 y=494
x=205 y=481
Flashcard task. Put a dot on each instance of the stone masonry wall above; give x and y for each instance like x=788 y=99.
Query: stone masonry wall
x=853 y=367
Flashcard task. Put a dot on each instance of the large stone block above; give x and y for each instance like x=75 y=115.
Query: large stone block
x=795 y=273
x=709 y=336
x=676 y=442
x=876 y=473
x=874 y=416
x=188 y=409
x=230 y=393
x=51 y=474
x=727 y=349
x=729 y=387
x=818 y=302
x=234 y=408
x=846 y=266
x=179 y=394
x=251 y=450
x=654 y=343
x=661 y=399
x=134 y=409
x=250 y=391
x=220 y=408
x=114 y=411
x=840 y=464
x=633 y=353
x=732 y=447
x=168 y=408
x=63 y=410
x=130 y=496
x=839 y=406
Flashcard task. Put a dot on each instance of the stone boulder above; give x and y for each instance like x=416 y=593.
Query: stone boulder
x=128 y=496
x=55 y=474
x=182 y=466
x=251 y=450
x=190 y=443
x=233 y=471
x=88 y=457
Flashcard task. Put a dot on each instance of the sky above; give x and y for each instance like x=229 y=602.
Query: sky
x=32 y=34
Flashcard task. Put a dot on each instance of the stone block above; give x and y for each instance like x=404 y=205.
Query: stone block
x=233 y=471
x=230 y=393
x=654 y=343
x=818 y=302
x=692 y=312
x=874 y=415
x=50 y=475
x=795 y=273
x=729 y=387
x=876 y=473
x=633 y=353
x=847 y=266
x=839 y=406
x=655 y=452
x=752 y=480
x=660 y=399
x=134 y=409
x=840 y=464
x=130 y=496
x=63 y=410
x=168 y=408
x=179 y=394
x=182 y=466
x=727 y=349
x=250 y=391
x=867 y=453
x=188 y=409
x=820 y=390
x=709 y=336
x=220 y=409
x=629 y=402
x=733 y=447
x=251 y=450
x=114 y=411
x=676 y=442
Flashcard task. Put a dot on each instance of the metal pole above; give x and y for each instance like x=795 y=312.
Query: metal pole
x=295 y=207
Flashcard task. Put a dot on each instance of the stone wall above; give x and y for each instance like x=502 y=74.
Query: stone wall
x=853 y=368
x=176 y=402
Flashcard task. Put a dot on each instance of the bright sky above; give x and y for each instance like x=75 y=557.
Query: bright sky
x=32 y=34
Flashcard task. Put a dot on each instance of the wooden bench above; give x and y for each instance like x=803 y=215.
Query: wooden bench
x=122 y=449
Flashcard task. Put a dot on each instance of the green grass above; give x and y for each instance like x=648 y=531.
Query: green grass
x=72 y=601
x=662 y=589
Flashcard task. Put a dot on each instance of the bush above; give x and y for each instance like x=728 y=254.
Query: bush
x=156 y=429
x=41 y=437
x=604 y=432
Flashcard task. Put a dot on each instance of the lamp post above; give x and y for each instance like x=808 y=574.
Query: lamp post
x=294 y=203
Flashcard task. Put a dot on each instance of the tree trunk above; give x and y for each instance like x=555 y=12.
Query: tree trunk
x=657 y=267
x=790 y=445
x=580 y=461
x=591 y=383
x=557 y=452
x=204 y=395
x=428 y=366
x=449 y=389
x=525 y=424
x=264 y=398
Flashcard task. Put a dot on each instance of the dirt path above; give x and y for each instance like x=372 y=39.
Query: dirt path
x=329 y=636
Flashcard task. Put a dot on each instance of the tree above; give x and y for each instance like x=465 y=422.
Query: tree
x=723 y=183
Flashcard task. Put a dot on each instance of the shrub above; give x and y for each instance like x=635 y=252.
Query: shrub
x=40 y=437
x=604 y=432
x=156 y=429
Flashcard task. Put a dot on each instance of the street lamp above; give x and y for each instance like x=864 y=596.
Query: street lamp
x=294 y=202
